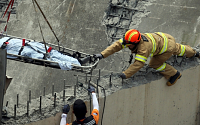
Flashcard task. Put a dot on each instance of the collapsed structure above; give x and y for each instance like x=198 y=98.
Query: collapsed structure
x=116 y=26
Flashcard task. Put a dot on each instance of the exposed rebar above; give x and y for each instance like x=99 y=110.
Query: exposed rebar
x=53 y=90
x=27 y=108
x=63 y=95
x=54 y=100
x=110 y=81
x=17 y=100
x=15 y=111
x=30 y=96
x=40 y=104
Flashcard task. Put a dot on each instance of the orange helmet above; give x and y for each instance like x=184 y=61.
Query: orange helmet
x=132 y=36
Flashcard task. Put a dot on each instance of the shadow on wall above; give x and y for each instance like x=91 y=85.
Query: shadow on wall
x=198 y=116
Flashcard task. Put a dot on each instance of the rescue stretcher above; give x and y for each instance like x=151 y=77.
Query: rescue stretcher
x=87 y=62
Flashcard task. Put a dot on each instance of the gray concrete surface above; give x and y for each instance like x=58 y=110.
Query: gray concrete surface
x=82 y=25
x=153 y=103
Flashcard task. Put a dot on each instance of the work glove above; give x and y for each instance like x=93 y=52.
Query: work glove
x=91 y=89
x=122 y=75
x=66 y=109
x=99 y=55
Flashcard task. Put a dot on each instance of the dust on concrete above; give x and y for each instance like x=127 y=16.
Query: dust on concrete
x=111 y=82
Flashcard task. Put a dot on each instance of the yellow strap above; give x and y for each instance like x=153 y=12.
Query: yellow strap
x=121 y=41
x=140 y=58
x=164 y=48
x=162 y=67
x=123 y=46
x=182 y=50
x=153 y=42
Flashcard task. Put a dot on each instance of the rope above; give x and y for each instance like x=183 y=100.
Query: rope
x=47 y=23
x=40 y=28
x=10 y=4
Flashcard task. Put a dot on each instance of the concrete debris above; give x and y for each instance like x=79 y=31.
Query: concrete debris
x=47 y=109
x=121 y=15
x=144 y=76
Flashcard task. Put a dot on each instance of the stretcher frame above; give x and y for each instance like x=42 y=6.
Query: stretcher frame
x=85 y=68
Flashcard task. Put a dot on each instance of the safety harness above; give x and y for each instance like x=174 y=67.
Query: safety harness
x=10 y=5
x=21 y=49
x=87 y=121
x=5 y=44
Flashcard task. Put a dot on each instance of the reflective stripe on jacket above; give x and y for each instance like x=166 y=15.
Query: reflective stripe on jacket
x=157 y=44
x=164 y=48
x=153 y=42
x=182 y=50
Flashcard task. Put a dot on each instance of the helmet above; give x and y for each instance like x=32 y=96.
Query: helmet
x=132 y=36
x=79 y=109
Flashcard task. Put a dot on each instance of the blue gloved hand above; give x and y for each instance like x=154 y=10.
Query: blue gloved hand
x=122 y=75
x=66 y=109
x=91 y=89
x=100 y=56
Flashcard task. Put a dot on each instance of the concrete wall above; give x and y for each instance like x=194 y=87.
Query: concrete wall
x=150 y=104
x=78 y=25
x=157 y=104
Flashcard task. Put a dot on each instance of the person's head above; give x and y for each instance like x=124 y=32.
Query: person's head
x=132 y=38
x=79 y=109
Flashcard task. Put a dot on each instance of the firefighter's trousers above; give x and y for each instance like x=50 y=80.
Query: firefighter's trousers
x=173 y=49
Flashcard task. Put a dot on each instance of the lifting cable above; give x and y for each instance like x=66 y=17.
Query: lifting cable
x=47 y=23
x=40 y=28
x=10 y=4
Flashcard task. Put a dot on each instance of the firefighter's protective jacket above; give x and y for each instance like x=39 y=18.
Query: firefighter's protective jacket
x=158 y=43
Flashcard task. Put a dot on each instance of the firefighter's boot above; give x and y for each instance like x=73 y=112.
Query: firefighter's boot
x=173 y=79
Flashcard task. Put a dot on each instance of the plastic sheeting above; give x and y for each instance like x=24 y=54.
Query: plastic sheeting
x=37 y=50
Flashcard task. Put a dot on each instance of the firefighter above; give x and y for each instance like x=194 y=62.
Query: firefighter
x=159 y=46
x=80 y=110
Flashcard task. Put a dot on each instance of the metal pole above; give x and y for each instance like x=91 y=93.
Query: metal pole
x=7 y=104
x=15 y=111
x=64 y=91
x=63 y=95
x=55 y=100
x=98 y=87
x=64 y=83
x=90 y=98
x=110 y=80
x=40 y=104
x=88 y=87
x=74 y=91
x=30 y=96
x=3 y=62
x=17 y=100
x=27 y=108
